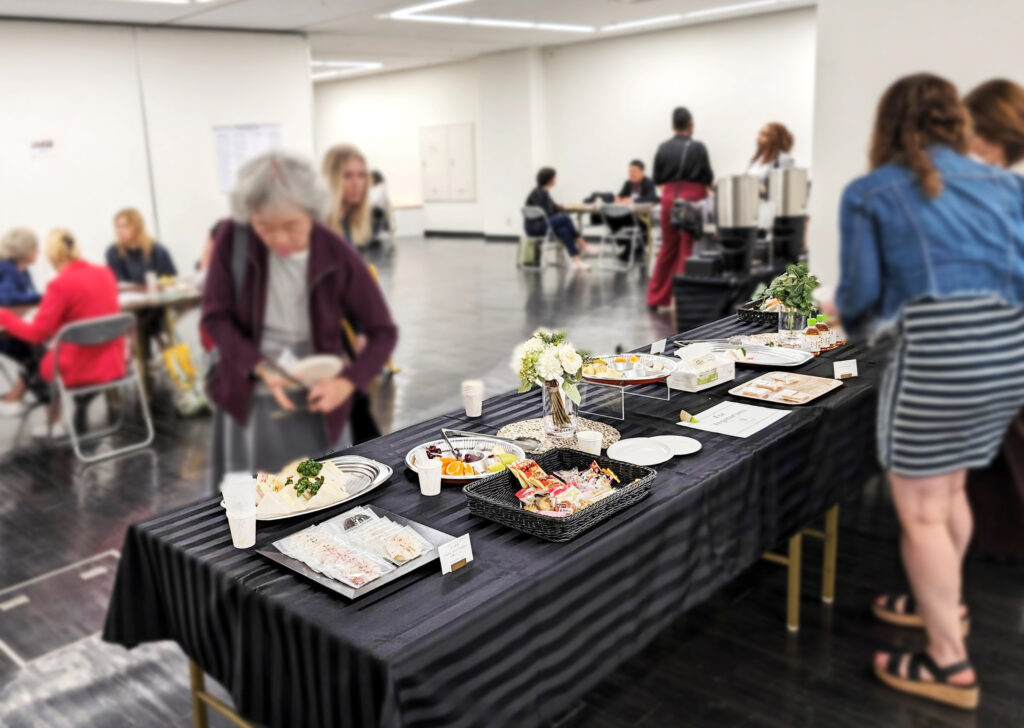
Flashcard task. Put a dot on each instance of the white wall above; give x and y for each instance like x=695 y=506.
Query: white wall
x=586 y=108
x=82 y=86
x=610 y=101
x=862 y=48
x=382 y=115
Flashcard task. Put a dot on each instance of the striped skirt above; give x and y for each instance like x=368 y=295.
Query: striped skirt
x=954 y=384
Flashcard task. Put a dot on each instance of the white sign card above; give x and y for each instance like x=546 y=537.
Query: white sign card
x=238 y=143
x=735 y=419
x=658 y=347
x=455 y=554
x=845 y=369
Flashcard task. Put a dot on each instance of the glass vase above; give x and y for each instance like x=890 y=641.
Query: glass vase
x=559 y=412
x=791 y=328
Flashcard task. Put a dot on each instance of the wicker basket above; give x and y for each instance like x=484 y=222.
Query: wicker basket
x=751 y=313
x=494 y=498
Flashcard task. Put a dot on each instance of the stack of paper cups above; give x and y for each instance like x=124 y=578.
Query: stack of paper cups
x=473 y=397
x=430 y=475
x=239 y=491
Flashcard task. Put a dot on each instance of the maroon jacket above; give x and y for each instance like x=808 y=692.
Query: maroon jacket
x=340 y=286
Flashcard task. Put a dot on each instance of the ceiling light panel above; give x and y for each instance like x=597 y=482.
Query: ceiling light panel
x=642 y=23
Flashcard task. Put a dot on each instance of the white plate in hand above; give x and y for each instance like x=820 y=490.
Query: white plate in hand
x=640 y=451
x=316 y=368
x=678 y=444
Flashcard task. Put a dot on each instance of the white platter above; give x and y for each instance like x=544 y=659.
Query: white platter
x=768 y=356
x=642 y=371
x=480 y=442
x=679 y=445
x=640 y=451
x=346 y=464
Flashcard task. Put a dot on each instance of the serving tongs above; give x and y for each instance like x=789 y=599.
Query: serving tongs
x=527 y=443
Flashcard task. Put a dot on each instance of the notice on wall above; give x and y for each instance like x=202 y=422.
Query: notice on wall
x=238 y=143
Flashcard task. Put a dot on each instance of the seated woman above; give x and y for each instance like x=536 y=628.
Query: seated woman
x=344 y=166
x=561 y=224
x=80 y=291
x=18 y=250
x=136 y=253
x=298 y=281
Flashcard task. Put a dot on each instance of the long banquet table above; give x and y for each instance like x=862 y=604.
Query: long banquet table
x=528 y=627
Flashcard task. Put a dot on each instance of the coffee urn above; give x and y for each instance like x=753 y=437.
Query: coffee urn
x=737 y=198
x=787 y=192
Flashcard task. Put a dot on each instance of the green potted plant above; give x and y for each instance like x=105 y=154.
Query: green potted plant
x=793 y=290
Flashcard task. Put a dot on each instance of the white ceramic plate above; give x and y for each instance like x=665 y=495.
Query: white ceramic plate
x=316 y=368
x=679 y=445
x=481 y=443
x=640 y=451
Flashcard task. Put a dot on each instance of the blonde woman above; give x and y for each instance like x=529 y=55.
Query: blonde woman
x=81 y=290
x=344 y=166
x=136 y=253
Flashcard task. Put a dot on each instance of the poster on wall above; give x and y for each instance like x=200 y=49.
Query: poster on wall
x=238 y=143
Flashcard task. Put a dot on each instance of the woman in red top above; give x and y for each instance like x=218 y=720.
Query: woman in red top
x=80 y=291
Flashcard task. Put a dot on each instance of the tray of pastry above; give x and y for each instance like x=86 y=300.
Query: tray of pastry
x=786 y=388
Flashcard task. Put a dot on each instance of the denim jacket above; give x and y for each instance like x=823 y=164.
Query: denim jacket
x=898 y=246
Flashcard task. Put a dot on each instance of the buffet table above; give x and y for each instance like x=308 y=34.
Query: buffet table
x=528 y=627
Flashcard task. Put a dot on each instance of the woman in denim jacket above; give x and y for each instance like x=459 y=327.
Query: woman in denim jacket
x=933 y=248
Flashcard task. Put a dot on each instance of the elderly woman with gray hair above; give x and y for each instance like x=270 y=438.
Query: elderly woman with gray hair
x=19 y=248
x=279 y=284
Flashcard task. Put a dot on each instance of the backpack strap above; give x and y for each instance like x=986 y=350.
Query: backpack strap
x=239 y=254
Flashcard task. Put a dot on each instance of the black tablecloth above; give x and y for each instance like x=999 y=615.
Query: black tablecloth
x=529 y=626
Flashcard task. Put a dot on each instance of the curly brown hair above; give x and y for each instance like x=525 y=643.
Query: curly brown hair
x=997 y=111
x=914 y=113
x=779 y=140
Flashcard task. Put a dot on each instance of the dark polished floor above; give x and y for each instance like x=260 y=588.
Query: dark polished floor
x=462 y=306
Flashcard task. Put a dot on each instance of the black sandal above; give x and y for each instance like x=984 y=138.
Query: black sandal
x=908 y=616
x=940 y=689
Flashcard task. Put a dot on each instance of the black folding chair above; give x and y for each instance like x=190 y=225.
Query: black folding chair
x=542 y=243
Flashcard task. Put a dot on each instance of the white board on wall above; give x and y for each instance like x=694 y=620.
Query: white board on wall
x=448 y=160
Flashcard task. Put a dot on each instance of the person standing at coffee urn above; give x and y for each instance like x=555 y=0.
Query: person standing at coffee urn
x=683 y=171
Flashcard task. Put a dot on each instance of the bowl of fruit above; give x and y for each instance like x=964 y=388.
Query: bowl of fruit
x=472 y=457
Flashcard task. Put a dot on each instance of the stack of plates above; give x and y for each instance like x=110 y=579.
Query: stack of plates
x=652 y=450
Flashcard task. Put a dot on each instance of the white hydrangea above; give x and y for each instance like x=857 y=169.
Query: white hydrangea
x=533 y=344
x=517 y=358
x=571 y=361
x=548 y=365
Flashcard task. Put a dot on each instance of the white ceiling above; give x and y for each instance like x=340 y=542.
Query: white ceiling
x=362 y=31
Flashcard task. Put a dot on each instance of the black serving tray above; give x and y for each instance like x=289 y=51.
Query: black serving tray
x=433 y=537
x=750 y=313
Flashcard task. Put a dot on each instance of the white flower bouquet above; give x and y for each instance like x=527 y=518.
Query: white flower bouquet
x=547 y=360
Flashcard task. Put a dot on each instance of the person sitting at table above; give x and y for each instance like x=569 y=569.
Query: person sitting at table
x=637 y=189
x=561 y=224
x=683 y=170
x=19 y=248
x=774 y=144
x=299 y=280
x=136 y=253
x=80 y=291
x=932 y=251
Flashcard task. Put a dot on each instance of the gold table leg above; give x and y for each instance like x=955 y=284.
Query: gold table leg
x=828 y=569
x=198 y=687
x=793 y=584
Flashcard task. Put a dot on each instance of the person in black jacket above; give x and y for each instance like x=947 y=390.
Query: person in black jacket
x=561 y=224
x=638 y=187
x=683 y=170
x=136 y=253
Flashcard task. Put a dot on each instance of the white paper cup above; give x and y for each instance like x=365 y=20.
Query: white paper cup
x=239 y=491
x=473 y=397
x=430 y=476
x=152 y=283
x=589 y=441
x=243 y=529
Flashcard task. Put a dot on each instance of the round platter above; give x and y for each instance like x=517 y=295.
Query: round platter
x=636 y=369
x=678 y=444
x=481 y=443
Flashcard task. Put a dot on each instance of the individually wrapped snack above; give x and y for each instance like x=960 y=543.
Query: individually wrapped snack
x=351 y=519
x=343 y=563
x=769 y=384
x=793 y=396
x=565 y=499
x=403 y=546
x=300 y=545
x=783 y=378
x=754 y=391
x=528 y=498
x=592 y=497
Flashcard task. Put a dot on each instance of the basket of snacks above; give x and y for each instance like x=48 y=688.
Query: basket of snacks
x=560 y=494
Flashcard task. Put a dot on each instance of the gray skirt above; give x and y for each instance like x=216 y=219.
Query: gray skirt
x=266 y=442
x=954 y=384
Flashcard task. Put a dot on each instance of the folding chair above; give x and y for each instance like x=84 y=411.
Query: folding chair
x=94 y=332
x=628 y=232
x=544 y=243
